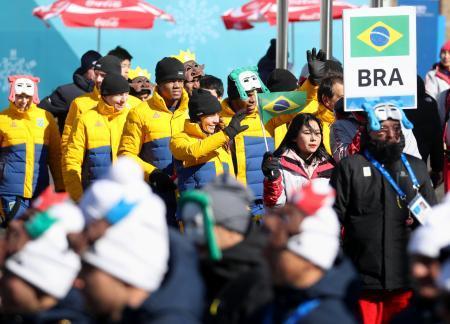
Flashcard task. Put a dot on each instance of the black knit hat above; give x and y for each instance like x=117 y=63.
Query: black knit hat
x=169 y=68
x=108 y=64
x=114 y=84
x=281 y=80
x=88 y=60
x=202 y=103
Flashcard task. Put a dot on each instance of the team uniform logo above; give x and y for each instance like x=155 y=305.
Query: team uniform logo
x=40 y=122
x=375 y=36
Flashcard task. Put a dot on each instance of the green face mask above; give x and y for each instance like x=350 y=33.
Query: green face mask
x=203 y=200
x=247 y=79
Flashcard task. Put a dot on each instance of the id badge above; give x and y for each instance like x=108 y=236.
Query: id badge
x=419 y=208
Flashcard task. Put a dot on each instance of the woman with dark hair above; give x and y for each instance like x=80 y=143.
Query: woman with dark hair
x=300 y=157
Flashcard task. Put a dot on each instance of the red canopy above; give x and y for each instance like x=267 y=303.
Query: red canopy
x=103 y=13
x=266 y=10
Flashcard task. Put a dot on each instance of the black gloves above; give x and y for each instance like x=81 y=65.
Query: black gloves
x=161 y=182
x=235 y=127
x=316 y=65
x=271 y=166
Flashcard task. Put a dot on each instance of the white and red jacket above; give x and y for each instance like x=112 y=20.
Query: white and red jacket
x=295 y=173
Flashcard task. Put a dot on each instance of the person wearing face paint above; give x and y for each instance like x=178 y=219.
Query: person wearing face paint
x=313 y=282
x=39 y=268
x=29 y=145
x=378 y=193
x=106 y=65
x=216 y=219
x=151 y=125
x=193 y=72
x=201 y=149
x=300 y=158
x=247 y=148
x=95 y=137
x=140 y=85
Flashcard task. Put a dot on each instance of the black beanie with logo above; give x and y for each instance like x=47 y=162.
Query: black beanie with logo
x=109 y=64
x=202 y=103
x=114 y=84
x=169 y=68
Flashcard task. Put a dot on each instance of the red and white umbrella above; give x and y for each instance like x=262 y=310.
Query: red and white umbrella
x=266 y=10
x=101 y=14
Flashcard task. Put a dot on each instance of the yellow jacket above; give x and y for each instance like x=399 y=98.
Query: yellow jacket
x=312 y=103
x=148 y=130
x=92 y=146
x=200 y=157
x=248 y=148
x=82 y=104
x=29 y=144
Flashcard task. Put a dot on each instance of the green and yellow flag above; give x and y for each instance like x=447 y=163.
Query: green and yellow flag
x=379 y=36
x=274 y=104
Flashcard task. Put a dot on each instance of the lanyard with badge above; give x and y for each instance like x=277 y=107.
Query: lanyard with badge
x=418 y=206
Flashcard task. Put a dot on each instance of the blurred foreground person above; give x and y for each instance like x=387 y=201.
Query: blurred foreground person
x=58 y=102
x=134 y=269
x=301 y=157
x=313 y=282
x=424 y=250
x=29 y=146
x=379 y=191
x=40 y=269
x=217 y=220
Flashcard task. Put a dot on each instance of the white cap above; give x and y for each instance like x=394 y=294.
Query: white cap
x=430 y=238
x=136 y=248
x=318 y=241
x=47 y=262
x=124 y=180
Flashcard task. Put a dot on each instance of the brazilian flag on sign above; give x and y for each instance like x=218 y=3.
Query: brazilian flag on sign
x=274 y=104
x=379 y=36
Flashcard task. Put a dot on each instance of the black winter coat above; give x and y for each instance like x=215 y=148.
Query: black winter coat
x=419 y=311
x=59 y=101
x=180 y=299
x=427 y=128
x=331 y=300
x=375 y=230
x=239 y=284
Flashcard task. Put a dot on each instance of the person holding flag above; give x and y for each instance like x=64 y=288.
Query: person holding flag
x=301 y=157
x=247 y=148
